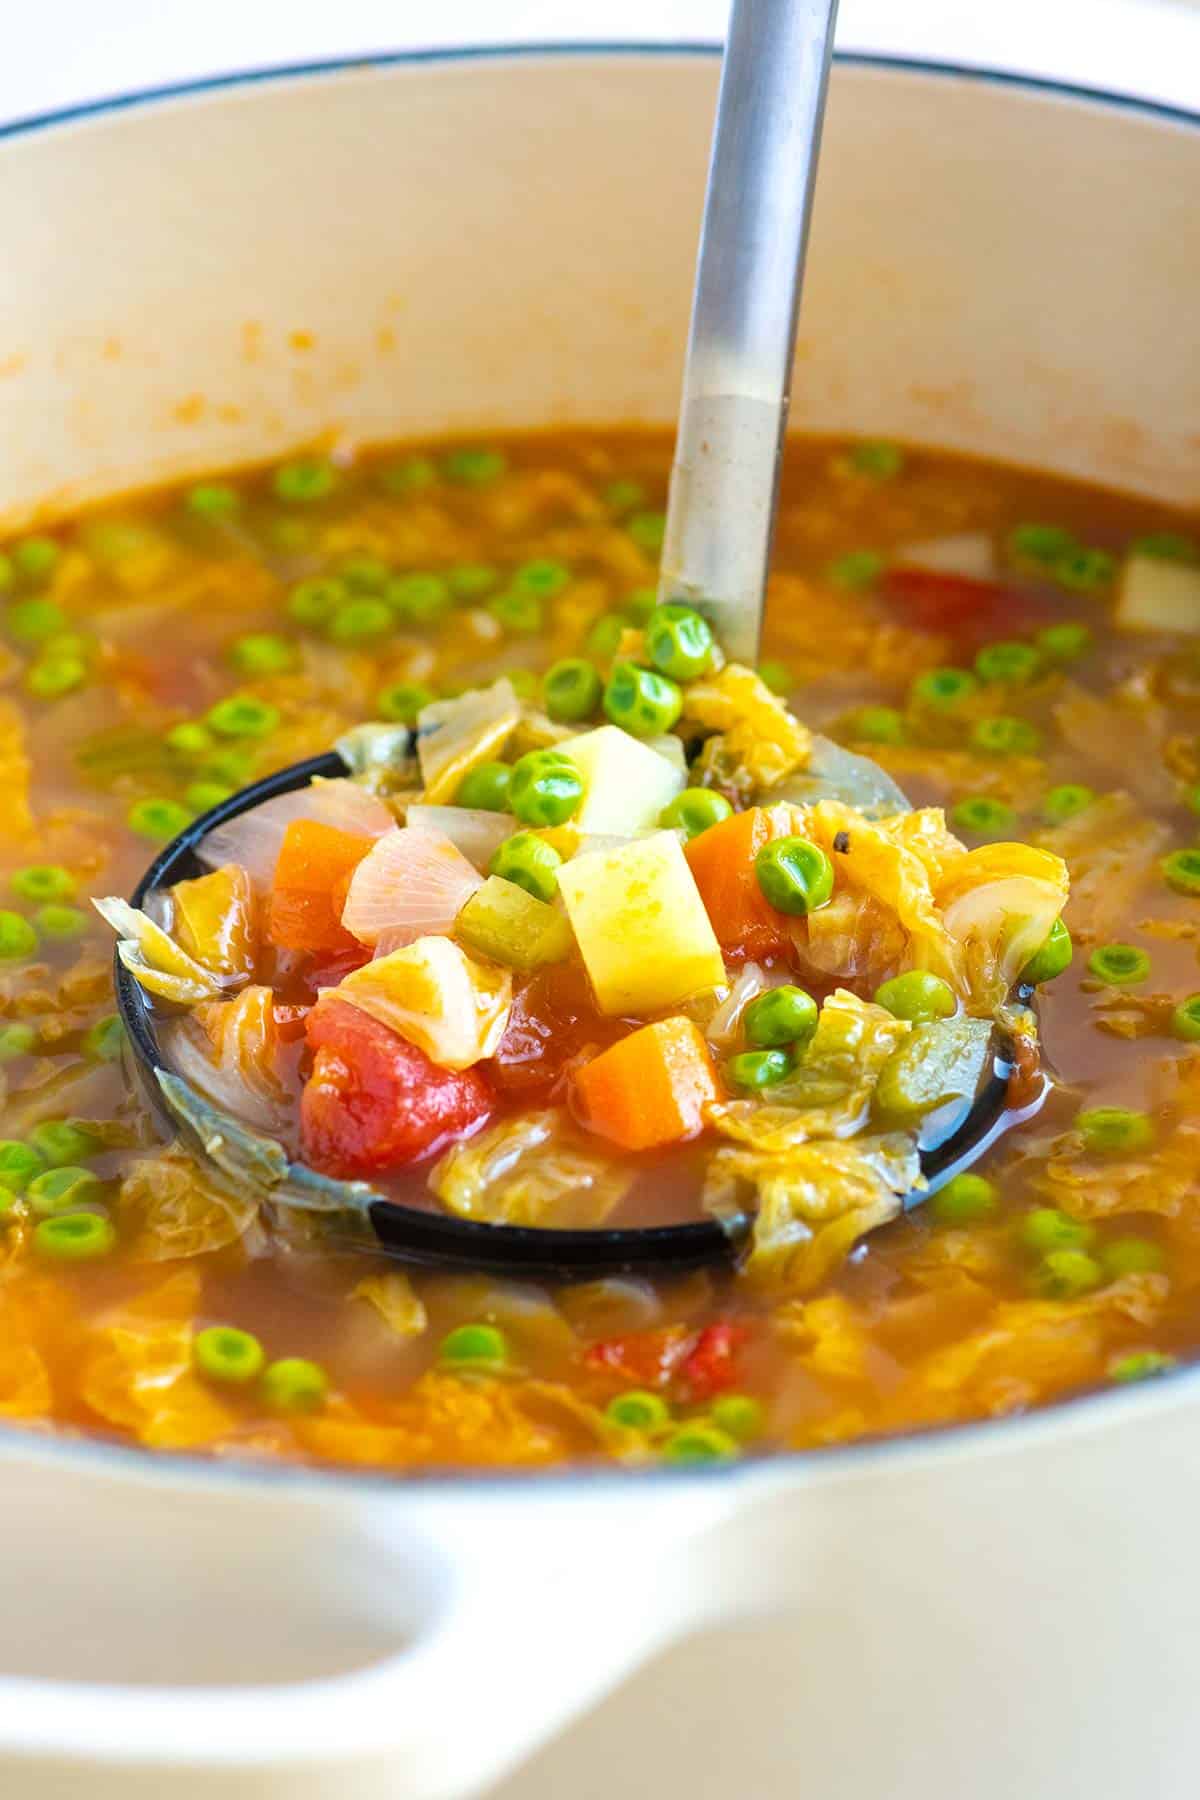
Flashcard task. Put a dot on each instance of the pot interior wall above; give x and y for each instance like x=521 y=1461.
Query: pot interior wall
x=467 y=244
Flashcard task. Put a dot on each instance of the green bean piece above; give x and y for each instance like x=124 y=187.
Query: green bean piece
x=62 y=1190
x=1067 y=801
x=60 y=923
x=941 y=690
x=59 y=1142
x=19 y=1165
x=1181 y=871
x=1084 y=571
x=227 y=1355
x=75 y=1237
x=1185 y=1020
x=1120 y=965
x=1006 y=737
x=43 y=881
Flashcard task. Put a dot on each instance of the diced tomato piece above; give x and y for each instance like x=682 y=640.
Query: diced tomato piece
x=374 y=1101
x=290 y=1022
x=710 y=1367
x=552 y=1022
x=314 y=866
x=971 y=612
x=330 y=971
x=722 y=863
x=647 y=1359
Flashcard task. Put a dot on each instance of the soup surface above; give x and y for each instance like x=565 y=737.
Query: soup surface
x=1021 y=653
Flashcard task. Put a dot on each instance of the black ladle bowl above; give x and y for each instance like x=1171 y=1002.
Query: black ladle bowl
x=439 y=1239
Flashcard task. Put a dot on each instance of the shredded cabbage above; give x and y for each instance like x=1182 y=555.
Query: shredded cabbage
x=154 y=959
x=535 y=1170
x=435 y=995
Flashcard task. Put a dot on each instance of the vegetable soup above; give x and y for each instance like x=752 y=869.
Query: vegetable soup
x=600 y=928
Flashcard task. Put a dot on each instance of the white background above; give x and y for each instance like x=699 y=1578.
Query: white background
x=56 y=53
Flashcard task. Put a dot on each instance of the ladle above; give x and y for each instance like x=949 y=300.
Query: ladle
x=720 y=521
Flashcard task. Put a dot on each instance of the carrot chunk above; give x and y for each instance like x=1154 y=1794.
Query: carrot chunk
x=314 y=867
x=722 y=863
x=650 y=1088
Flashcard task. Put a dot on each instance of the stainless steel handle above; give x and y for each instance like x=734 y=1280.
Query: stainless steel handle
x=733 y=412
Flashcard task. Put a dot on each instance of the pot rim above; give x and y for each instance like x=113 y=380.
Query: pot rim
x=1087 y=1412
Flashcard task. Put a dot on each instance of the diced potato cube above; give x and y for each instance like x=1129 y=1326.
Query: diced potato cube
x=501 y=921
x=1156 y=595
x=641 y=926
x=626 y=784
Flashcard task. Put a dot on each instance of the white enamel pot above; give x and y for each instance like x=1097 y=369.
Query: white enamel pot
x=447 y=244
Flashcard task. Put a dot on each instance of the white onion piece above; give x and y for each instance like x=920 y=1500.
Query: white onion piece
x=476 y=833
x=254 y=839
x=971 y=554
x=409 y=885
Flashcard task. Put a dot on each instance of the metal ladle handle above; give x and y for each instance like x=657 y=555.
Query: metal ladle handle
x=733 y=411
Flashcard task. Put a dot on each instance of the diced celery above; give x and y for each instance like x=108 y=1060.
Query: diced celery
x=504 y=923
x=938 y=1062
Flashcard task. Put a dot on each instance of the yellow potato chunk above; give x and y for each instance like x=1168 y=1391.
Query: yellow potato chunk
x=641 y=926
x=626 y=784
x=1156 y=595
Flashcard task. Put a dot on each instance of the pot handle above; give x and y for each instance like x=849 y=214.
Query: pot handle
x=421 y=1637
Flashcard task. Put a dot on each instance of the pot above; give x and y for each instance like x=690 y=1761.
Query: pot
x=459 y=242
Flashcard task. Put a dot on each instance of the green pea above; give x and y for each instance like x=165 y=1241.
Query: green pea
x=36 y=558
x=1041 y=545
x=63 y=1190
x=794 y=876
x=18 y=939
x=75 y=1237
x=544 y=577
x=307 y=479
x=740 y=1416
x=202 y=796
x=403 y=701
x=228 y=1355
x=753 y=1070
x=474 y=467
x=1185 y=1020
x=519 y=614
x=857 y=569
x=474 y=1346
x=158 y=820
x=1181 y=871
x=530 y=862
x=232 y=767
x=783 y=1015
x=964 y=1200
x=43 y=881
x=485 y=787
x=241 y=715
x=59 y=1142
x=877 y=725
x=776 y=676
x=1065 y=1274
x=1010 y=663
x=1132 y=1256
x=32 y=621
x=638 y=1410
x=524 y=684
x=295 y=1385
x=212 y=501
x=571 y=690
x=605 y=635
x=262 y=653
x=648 y=529
x=314 y=602
x=877 y=458
x=419 y=598
x=19 y=1165
x=623 y=496
x=361 y=622
x=694 y=811
x=545 y=789
x=1046 y=1229
x=943 y=689
x=54 y=676
x=1168 y=546
x=411 y=475
x=1119 y=964
x=1053 y=957
x=60 y=923
x=918 y=996
x=16 y=1039
x=697 y=1444
x=470 y=581
x=105 y=1040
x=1084 y=571
x=1005 y=737
x=363 y=573
x=1140 y=1365
x=982 y=817
x=8 y=574
x=1067 y=801
x=1064 y=643
x=641 y=701
x=1114 y=1130
x=189 y=739
x=679 y=642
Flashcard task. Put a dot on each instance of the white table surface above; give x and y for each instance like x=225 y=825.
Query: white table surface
x=58 y=53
